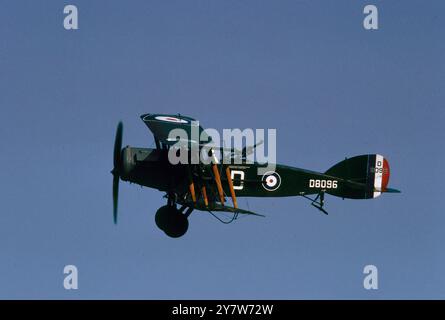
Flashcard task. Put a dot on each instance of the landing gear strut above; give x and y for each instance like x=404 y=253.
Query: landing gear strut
x=318 y=202
x=173 y=221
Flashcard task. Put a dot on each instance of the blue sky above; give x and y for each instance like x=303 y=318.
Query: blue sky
x=307 y=68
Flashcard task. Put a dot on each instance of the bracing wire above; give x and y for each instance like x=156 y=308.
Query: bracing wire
x=235 y=216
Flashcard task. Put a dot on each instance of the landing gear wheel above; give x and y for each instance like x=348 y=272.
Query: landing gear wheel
x=171 y=221
x=178 y=224
x=162 y=217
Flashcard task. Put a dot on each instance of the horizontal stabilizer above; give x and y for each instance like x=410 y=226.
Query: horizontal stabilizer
x=391 y=190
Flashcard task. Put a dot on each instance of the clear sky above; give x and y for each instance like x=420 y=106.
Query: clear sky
x=307 y=68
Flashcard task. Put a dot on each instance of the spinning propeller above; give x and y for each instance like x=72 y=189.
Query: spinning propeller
x=117 y=168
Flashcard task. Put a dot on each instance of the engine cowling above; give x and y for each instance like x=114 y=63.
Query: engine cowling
x=128 y=162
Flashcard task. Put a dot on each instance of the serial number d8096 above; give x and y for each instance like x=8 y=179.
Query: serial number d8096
x=323 y=184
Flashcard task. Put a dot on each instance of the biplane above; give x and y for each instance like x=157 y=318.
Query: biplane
x=208 y=187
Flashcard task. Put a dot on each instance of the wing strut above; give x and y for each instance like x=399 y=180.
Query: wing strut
x=232 y=191
x=192 y=191
x=204 y=195
x=217 y=177
x=218 y=182
x=191 y=186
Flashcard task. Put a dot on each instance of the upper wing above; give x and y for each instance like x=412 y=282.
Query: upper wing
x=161 y=126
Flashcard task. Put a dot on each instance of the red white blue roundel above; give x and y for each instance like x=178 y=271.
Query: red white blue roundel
x=271 y=181
x=170 y=119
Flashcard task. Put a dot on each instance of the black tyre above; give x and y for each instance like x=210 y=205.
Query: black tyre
x=177 y=224
x=162 y=217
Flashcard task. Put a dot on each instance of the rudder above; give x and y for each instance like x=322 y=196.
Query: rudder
x=361 y=177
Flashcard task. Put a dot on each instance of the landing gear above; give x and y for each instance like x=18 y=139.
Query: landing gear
x=172 y=221
x=319 y=205
x=318 y=202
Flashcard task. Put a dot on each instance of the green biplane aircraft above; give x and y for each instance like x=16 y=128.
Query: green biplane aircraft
x=205 y=186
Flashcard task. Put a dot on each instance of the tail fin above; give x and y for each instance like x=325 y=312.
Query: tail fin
x=361 y=177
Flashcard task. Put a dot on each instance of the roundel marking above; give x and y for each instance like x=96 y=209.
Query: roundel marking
x=170 y=119
x=271 y=181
